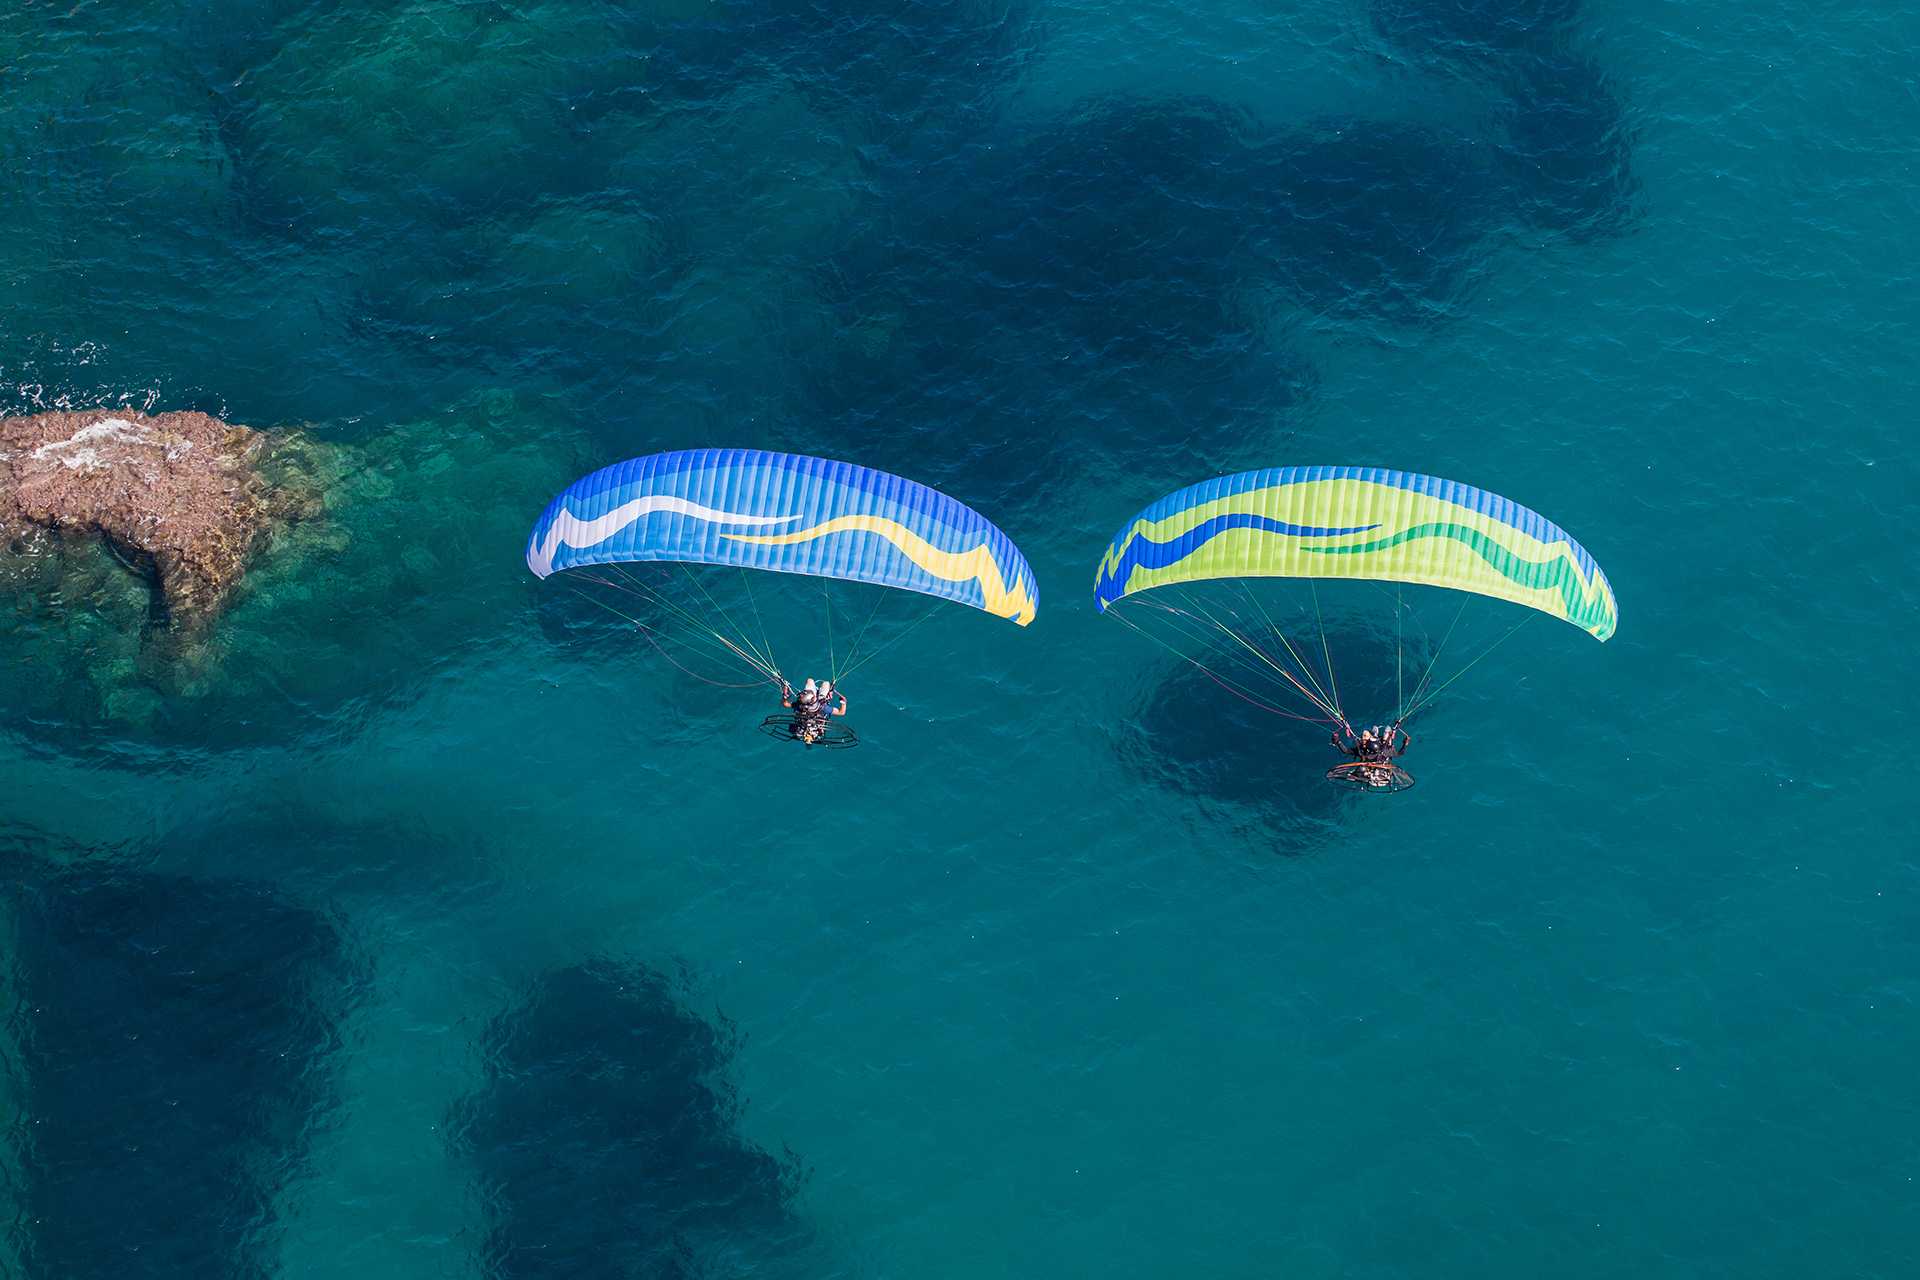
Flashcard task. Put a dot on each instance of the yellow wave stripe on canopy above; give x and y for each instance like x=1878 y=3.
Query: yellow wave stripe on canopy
x=1337 y=524
x=1013 y=601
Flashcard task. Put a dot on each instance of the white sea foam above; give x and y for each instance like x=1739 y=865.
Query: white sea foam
x=80 y=450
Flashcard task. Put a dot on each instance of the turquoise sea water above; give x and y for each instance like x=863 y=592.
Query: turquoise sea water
x=413 y=927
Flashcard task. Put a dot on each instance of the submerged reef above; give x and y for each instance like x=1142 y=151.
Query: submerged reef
x=1132 y=262
x=605 y=1140
x=1568 y=149
x=900 y=67
x=1376 y=219
x=1484 y=31
x=445 y=125
x=1088 y=277
x=467 y=111
x=186 y=498
x=170 y=1043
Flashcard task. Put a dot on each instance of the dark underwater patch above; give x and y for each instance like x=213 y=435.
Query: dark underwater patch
x=1196 y=737
x=1484 y=31
x=225 y=41
x=550 y=289
x=1191 y=737
x=384 y=127
x=577 y=617
x=462 y=113
x=1377 y=219
x=605 y=1140
x=1569 y=147
x=896 y=63
x=671 y=260
x=634 y=618
x=1025 y=293
x=1126 y=219
x=1569 y=144
x=173 y=1037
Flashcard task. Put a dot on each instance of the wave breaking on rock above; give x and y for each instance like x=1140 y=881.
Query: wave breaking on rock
x=183 y=497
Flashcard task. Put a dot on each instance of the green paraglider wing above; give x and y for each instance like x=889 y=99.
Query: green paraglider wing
x=1358 y=522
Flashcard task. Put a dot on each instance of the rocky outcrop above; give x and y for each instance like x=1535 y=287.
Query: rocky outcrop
x=182 y=496
x=402 y=545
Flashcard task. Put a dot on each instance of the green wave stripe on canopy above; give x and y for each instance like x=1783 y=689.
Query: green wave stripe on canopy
x=1359 y=522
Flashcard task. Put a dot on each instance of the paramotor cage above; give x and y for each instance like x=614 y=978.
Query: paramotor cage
x=790 y=728
x=1361 y=775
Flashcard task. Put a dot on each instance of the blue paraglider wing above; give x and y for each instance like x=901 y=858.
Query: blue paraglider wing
x=787 y=513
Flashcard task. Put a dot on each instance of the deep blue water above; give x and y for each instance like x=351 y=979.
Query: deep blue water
x=419 y=925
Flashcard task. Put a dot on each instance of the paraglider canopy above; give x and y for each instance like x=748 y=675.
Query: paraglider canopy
x=1358 y=522
x=1394 y=529
x=645 y=534
x=787 y=513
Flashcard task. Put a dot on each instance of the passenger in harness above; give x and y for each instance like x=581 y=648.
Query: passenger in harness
x=811 y=707
x=1373 y=752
